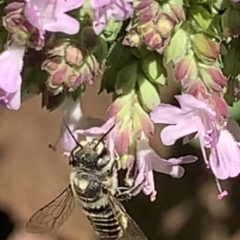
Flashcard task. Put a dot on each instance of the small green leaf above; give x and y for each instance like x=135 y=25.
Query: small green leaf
x=231 y=60
x=148 y=94
x=101 y=50
x=152 y=66
x=229 y=96
x=201 y=17
x=126 y=78
x=177 y=47
x=119 y=57
x=111 y=30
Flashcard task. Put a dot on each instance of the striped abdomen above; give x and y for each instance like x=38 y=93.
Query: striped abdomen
x=104 y=221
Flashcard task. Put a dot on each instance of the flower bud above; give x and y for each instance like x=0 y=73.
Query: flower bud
x=132 y=39
x=164 y=25
x=22 y=32
x=213 y=77
x=174 y=8
x=148 y=94
x=186 y=70
x=69 y=66
x=205 y=48
x=146 y=10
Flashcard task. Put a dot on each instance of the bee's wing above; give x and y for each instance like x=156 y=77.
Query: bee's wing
x=52 y=215
x=129 y=226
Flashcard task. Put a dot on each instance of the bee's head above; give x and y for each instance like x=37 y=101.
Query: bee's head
x=89 y=157
x=88 y=186
x=93 y=155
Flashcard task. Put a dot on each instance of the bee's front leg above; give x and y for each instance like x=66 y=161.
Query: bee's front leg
x=126 y=193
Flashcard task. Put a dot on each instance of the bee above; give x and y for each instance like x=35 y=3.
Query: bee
x=94 y=186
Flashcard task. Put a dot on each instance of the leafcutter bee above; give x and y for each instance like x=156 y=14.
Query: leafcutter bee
x=94 y=187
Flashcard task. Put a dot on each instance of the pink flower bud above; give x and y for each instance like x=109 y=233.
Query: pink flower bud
x=205 y=48
x=186 y=70
x=22 y=32
x=69 y=66
x=164 y=25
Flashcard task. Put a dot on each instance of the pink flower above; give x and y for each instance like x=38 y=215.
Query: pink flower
x=196 y=117
x=224 y=159
x=11 y=61
x=149 y=161
x=105 y=9
x=50 y=15
x=73 y=117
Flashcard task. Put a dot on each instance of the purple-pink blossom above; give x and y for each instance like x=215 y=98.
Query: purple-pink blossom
x=197 y=117
x=149 y=162
x=120 y=10
x=11 y=61
x=50 y=15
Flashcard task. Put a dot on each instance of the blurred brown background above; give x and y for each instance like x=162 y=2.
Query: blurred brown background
x=31 y=175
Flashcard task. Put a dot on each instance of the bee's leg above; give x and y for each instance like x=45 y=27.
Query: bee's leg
x=114 y=167
x=126 y=193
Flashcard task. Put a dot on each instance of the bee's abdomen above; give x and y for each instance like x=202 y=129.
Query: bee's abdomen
x=104 y=222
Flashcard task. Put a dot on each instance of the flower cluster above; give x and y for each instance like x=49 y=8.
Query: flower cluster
x=55 y=48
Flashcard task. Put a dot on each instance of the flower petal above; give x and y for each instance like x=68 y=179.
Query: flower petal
x=11 y=61
x=99 y=4
x=68 y=5
x=225 y=159
x=188 y=103
x=166 y=114
x=183 y=160
x=15 y=100
x=64 y=23
x=96 y=131
x=172 y=133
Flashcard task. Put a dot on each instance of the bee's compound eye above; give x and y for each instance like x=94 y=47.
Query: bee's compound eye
x=102 y=162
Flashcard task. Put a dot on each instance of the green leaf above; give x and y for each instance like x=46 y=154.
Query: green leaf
x=126 y=78
x=152 y=66
x=231 y=60
x=229 y=96
x=101 y=50
x=177 y=47
x=201 y=17
x=147 y=93
x=111 y=30
x=119 y=57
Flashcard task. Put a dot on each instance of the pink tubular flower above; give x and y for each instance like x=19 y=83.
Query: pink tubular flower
x=73 y=117
x=196 y=117
x=105 y=9
x=149 y=161
x=11 y=61
x=224 y=159
x=49 y=15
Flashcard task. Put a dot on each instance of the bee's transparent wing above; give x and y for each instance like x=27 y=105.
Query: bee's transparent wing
x=130 y=227
x=52 y=215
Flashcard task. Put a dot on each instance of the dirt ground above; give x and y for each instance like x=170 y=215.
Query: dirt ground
x=32 y=175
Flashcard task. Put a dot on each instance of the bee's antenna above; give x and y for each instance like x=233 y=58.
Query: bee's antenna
x=100 y=140
x=70 y=132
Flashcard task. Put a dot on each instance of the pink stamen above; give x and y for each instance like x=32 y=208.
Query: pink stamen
x=222 y=193
x=153 y=196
